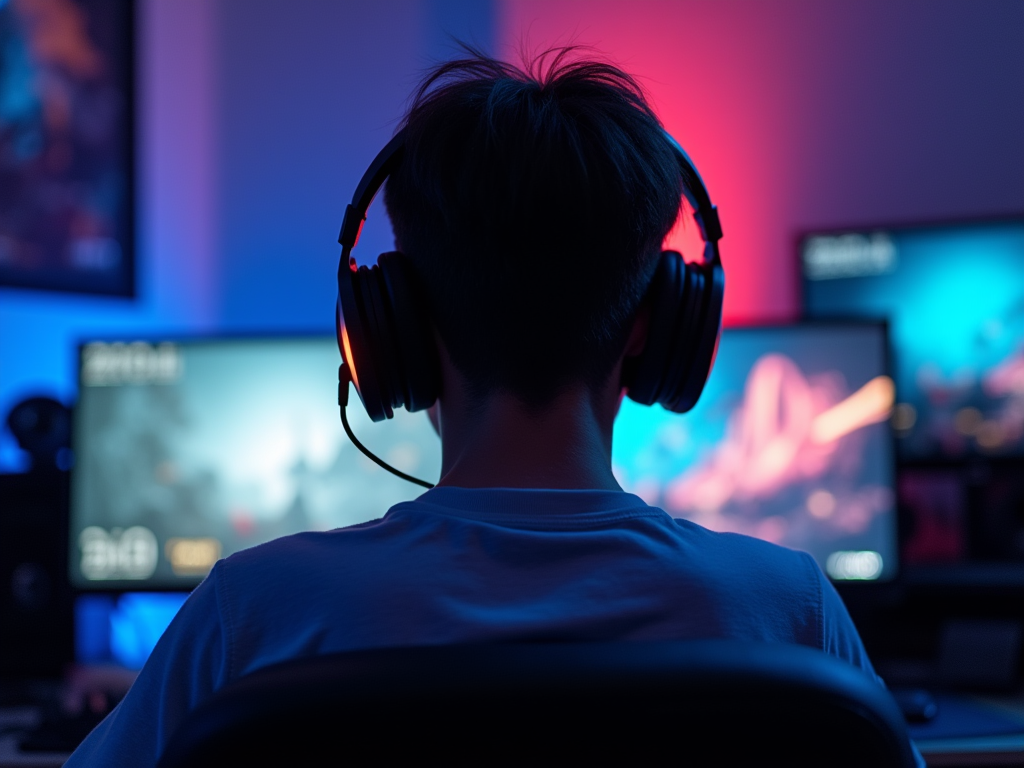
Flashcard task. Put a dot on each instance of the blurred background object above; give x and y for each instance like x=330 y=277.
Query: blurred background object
x=35 y=594
x=42 y=428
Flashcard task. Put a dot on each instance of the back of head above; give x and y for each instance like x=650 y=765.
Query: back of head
x=533 y=204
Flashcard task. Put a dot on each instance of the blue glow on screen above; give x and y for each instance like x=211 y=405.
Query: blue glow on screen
x=229 y=443
x=954 y=299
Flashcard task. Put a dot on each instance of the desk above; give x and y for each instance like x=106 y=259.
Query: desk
x=973 y=731
x=16 y=719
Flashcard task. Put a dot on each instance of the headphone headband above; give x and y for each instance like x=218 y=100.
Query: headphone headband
x=388 y=159
x=383 y=165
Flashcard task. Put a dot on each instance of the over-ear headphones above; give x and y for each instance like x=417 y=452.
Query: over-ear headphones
x=387 y=345
x=686 y=310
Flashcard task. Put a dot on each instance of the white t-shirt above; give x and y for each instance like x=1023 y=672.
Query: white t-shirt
x=468 y=566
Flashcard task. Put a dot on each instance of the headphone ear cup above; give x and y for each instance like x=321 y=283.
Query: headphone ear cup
x=385 y=338
x=665 y=296
x=358 y=340
x=706 y=334
x=686 y=314
x=416 y=370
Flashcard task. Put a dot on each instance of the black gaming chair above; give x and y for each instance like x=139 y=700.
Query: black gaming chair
x=634 y=704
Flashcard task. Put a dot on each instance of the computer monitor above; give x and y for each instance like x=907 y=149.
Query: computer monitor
x=789 y=442
x=186 y=451
x=954 y=299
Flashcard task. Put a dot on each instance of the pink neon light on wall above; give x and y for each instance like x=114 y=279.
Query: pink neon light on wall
x=804 y=115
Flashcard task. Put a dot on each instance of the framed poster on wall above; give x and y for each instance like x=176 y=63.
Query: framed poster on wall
x=66 y=146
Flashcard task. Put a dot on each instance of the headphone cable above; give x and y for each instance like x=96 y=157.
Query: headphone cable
x=344 y=377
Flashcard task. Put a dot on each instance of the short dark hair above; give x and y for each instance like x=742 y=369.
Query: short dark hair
x=532 y=203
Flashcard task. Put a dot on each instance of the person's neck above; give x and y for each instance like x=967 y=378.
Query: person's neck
x=500 y=443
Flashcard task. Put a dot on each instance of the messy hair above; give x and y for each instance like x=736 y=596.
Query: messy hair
x=532 y=202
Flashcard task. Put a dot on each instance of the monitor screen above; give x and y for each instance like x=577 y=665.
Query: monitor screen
x=789 y=442
x=186 y=451
x=954 y=299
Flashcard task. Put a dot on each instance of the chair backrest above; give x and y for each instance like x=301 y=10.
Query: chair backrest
x=714 y=702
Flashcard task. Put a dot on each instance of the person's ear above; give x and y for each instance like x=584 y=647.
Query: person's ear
x=434 y=414
x=449 y=377
x=635 y=343
x=638 y=333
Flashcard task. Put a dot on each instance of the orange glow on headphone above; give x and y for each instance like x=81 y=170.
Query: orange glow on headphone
x=347 y=351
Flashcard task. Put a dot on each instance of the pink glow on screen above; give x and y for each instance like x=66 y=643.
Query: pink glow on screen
x=789 y=431
x=1005 y=380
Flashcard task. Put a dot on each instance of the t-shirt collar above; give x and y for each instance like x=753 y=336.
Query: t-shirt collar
x=535 y=508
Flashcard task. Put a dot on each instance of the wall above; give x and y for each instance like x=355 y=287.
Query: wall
x=803 y=114
x=312 y=91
